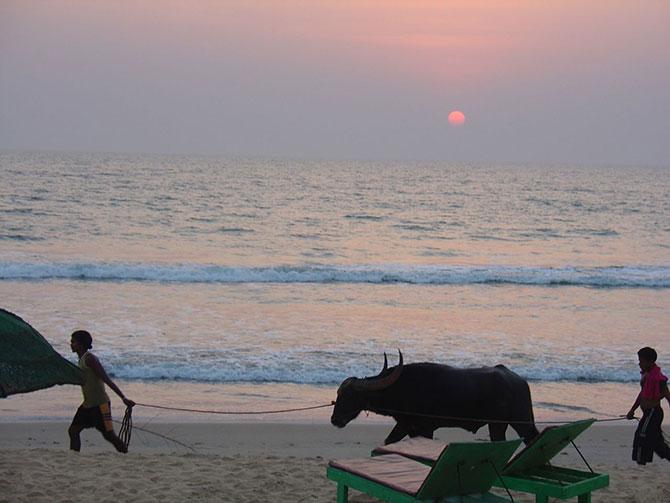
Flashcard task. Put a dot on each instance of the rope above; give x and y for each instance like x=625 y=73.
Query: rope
x=126 y=427
x=127 y=424
x=390 y=411
x=234 y=412
x=502 y=481
x=482 y=420
x=161 y=436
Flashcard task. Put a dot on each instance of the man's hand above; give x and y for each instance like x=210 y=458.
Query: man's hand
x=630 y=415
x=128 y=402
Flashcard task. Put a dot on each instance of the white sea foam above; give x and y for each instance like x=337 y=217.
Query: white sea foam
x=644 y=276
x=312 y=372
x=313 y=366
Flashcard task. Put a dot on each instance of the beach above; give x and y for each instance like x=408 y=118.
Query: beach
x=257 y=462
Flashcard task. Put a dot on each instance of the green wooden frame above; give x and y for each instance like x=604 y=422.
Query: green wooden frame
x=463 y=472
x=556 y=482
x=530 y=472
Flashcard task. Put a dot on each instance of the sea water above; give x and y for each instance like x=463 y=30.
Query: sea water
x=260 y=284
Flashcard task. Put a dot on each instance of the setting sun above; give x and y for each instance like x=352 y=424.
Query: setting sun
x=456 y=118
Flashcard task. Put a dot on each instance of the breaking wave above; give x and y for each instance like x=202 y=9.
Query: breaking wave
x=605 y=277
x=316 y=373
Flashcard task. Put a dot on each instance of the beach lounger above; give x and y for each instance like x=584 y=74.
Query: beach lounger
x=530 y=470
x=462 y=472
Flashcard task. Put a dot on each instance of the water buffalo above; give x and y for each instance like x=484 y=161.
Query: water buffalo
x=422 y=397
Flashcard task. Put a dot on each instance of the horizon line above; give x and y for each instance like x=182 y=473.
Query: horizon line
x=371 y=159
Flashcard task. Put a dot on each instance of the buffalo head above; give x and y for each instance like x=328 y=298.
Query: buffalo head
x=352 y=395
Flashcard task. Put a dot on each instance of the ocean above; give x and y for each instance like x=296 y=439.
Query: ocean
x=260 y=284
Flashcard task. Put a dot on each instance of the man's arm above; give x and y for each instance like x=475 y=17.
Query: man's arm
x=93 y=362
x=631 y=412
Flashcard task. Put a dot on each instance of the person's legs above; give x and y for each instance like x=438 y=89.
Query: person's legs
x=75 y=441
x=643 y=447
x=660 y=446
x=662 y=449
x=79 y=422
x=111 y=437
x=106 y=427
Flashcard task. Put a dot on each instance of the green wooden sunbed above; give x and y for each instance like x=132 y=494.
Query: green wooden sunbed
x=530 y=470
x=463 y=472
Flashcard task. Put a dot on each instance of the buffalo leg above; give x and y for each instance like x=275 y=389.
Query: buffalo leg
x=497 y=431
x=418 y=431
x=526 y=431
x=398 y=432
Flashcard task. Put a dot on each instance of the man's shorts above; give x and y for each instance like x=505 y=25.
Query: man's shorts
x=99 y=417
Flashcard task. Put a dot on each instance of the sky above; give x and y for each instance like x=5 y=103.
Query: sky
x=552 y=81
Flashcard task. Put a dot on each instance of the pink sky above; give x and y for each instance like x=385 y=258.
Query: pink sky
x=565 y=81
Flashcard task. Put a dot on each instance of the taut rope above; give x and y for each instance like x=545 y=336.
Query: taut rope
x=127 y=424
x=234 y=412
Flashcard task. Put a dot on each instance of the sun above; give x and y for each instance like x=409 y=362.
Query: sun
x=456 y=118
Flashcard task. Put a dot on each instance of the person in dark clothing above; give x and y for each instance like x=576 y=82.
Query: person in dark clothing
x=649 y=436
x=95 y=410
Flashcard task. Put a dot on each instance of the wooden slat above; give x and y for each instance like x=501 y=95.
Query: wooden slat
x=424 y=450
x=395 y=471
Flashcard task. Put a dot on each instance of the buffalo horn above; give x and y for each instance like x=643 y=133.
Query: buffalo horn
x=379 y=383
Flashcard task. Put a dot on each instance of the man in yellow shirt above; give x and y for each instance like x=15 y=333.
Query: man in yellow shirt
x=95 y=411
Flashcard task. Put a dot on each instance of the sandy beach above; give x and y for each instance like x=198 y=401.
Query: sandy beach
x=254 y=462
